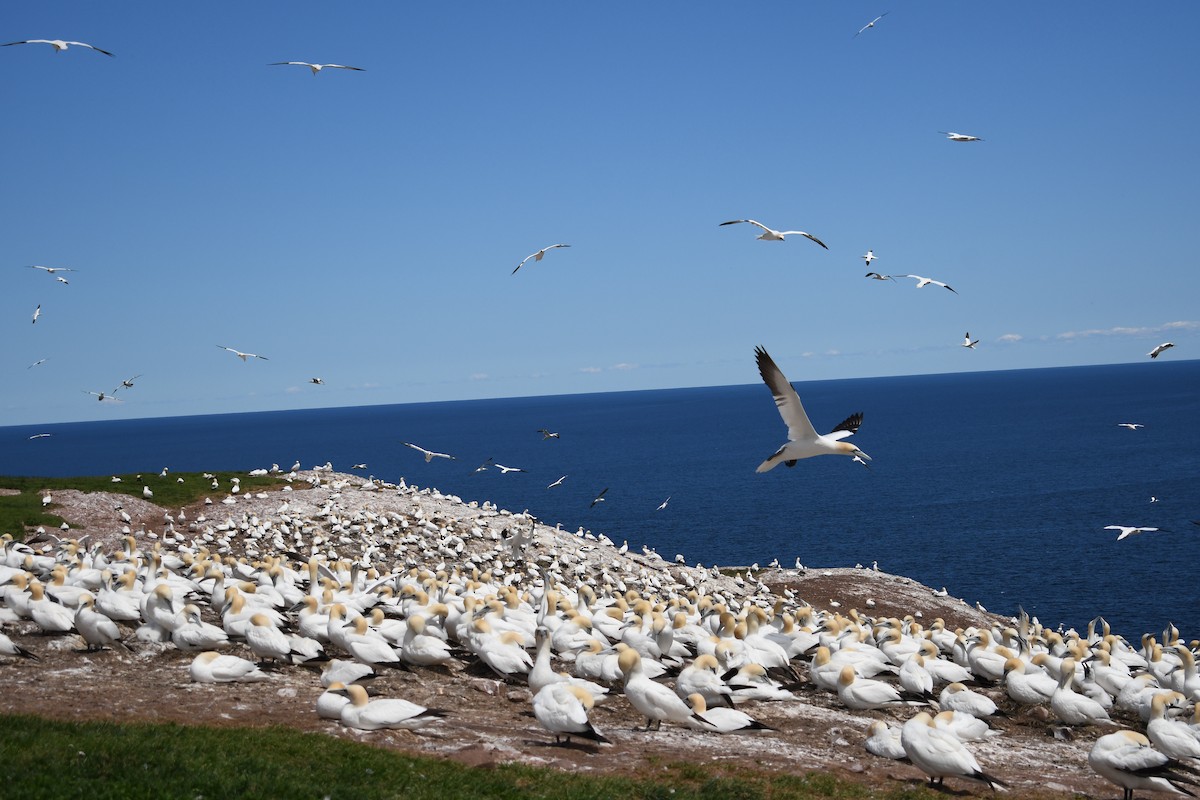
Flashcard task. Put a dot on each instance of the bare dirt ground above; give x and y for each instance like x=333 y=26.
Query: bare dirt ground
x=490 y=721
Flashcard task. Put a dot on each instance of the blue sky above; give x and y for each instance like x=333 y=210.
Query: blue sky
x=362 y=227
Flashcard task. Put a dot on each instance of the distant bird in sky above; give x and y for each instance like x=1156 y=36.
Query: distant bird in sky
x=505 y=470
x=241 y=355
x=547 y=434
x=483 y=467
x=967 y=342
x=663 y=504
x=37 y=312
x=871 y=24
x=803 y=440
x=770 y=235
x=923 y=282
x=1128 y=530
x=557 y=482
x=37 y=363
x=960 y=137
x=869 y=256
x=878 y=277
x=430 y=455
x=128 y=382
x=358 y=466
x=317 y=381
x=599 y=498
x=62 y=280
x=1133 y=426
x=538 y=255
x=102 y=396
x=52 y=270
x=39 y=436
x=58 y=44
x=314 y=67
x=1156 y=352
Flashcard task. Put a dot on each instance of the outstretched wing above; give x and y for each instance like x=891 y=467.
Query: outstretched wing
x=847 y=426
x=786 y=399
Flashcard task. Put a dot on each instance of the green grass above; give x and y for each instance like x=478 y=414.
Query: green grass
x=97 y=760
x=21 y=511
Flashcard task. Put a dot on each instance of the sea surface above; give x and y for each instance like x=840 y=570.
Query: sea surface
x=994 y=485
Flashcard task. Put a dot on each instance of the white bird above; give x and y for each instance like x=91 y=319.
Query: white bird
x=37 y=312
x=876 y=276
x=869 y=256
x=102 y=396
x=1128 y=530
x=59 y=45
x=241 y=355
x=960 y=137
x=721 y=719
x=1127 y=759
x=1173 y=738
x=871 y=24
x=654 y=700
x=314 y=67
x=317 y=381
x=37 y=363
x=97 y=629
x=883 y=740
x=40 y=436
x=10 y=648
x=62 y=280
x=598 y=498
x=770 y=235
x=938 y=753
x=366 y=714
x=663 y=504
x=430 y=455
x=505 y=470
x=1133 y=426
x=547 y=434
x=557 y=482
x=147 y=492
x=538 y=255
x=967 y=342
x=1158 y=350
x=803 y=439
x=213 y=667
x=861 y=694
x=50 y=270
x=562 y=709
x=128 y=382
x=923 y=282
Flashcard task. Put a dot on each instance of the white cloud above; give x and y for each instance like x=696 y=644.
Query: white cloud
x=624 y=366
x=1011 y=337
x=479 y=376
x=1185 y=325
x=292 y=389
x=590 y=370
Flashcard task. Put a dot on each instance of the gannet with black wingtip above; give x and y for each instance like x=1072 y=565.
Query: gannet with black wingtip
x=871 y=24
x=883 y=740
x=314 y=67
x=430 y=455
x=957 y=697
x=1128 y=759
x=922 y=282
x=58 y=44
x=241 y=355
x=939 y=754
x=964 y=726
x=365 y=714
x=96 y=629
x=960 y=137
x=1128 y=530
x=771 y=235
x=10 y=648
x=655 y=701
x=1133 y=426
x=722 y=719
x=869 y=256
x=538 y=255
x=562 y=709
x=1173 y=738
x=1072 y=707
x=875 y=276
x=803 y=439
x=213 y=667
x=862 y=694
x=968 y=342
x=1157 y=351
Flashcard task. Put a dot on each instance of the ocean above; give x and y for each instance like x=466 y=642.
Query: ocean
x=994 y=485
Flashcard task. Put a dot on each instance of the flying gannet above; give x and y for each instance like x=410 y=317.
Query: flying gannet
x=538 y=255
x=241 y=355
x=803 y=439
x=1128 y=530
x=59 y=45
x=430 y=455
x=967 y=341
x=960 y=137
x=923 y=282
x=871 y=24
x=314 y=67
x=1157 y=351
x=770 y=235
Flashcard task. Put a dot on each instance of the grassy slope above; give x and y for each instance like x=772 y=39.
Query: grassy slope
x=97 y=760
x=21 y=511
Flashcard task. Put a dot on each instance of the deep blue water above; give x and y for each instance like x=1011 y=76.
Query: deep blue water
x=995 y=485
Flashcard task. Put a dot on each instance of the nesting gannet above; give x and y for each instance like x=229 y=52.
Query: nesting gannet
x=957 y=697
x=241 y=355
x=96 y=629
x=940 y=754
x=875 y=276
x=58 y=44
x=213 y=667
x=1074 y=708
x=598 y=498
x=883 y=740
x=538 y=255
x=1157 y=351
x=721 y=719
x=1133 y=426
x=1173 y=738
x=1127 y=759
x=968 y=343
x=562 y=709
x=430 y=455
x=861 y=694
x=960 y=137
x=871 y=24
x=314 y=67
x=366 y=714
x=1128 y=530
x=655 y=701
x=803 y=440
x=965 y=727
x=769 y=235
x=923 y=282
x=10 y=648
x=701 y=677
